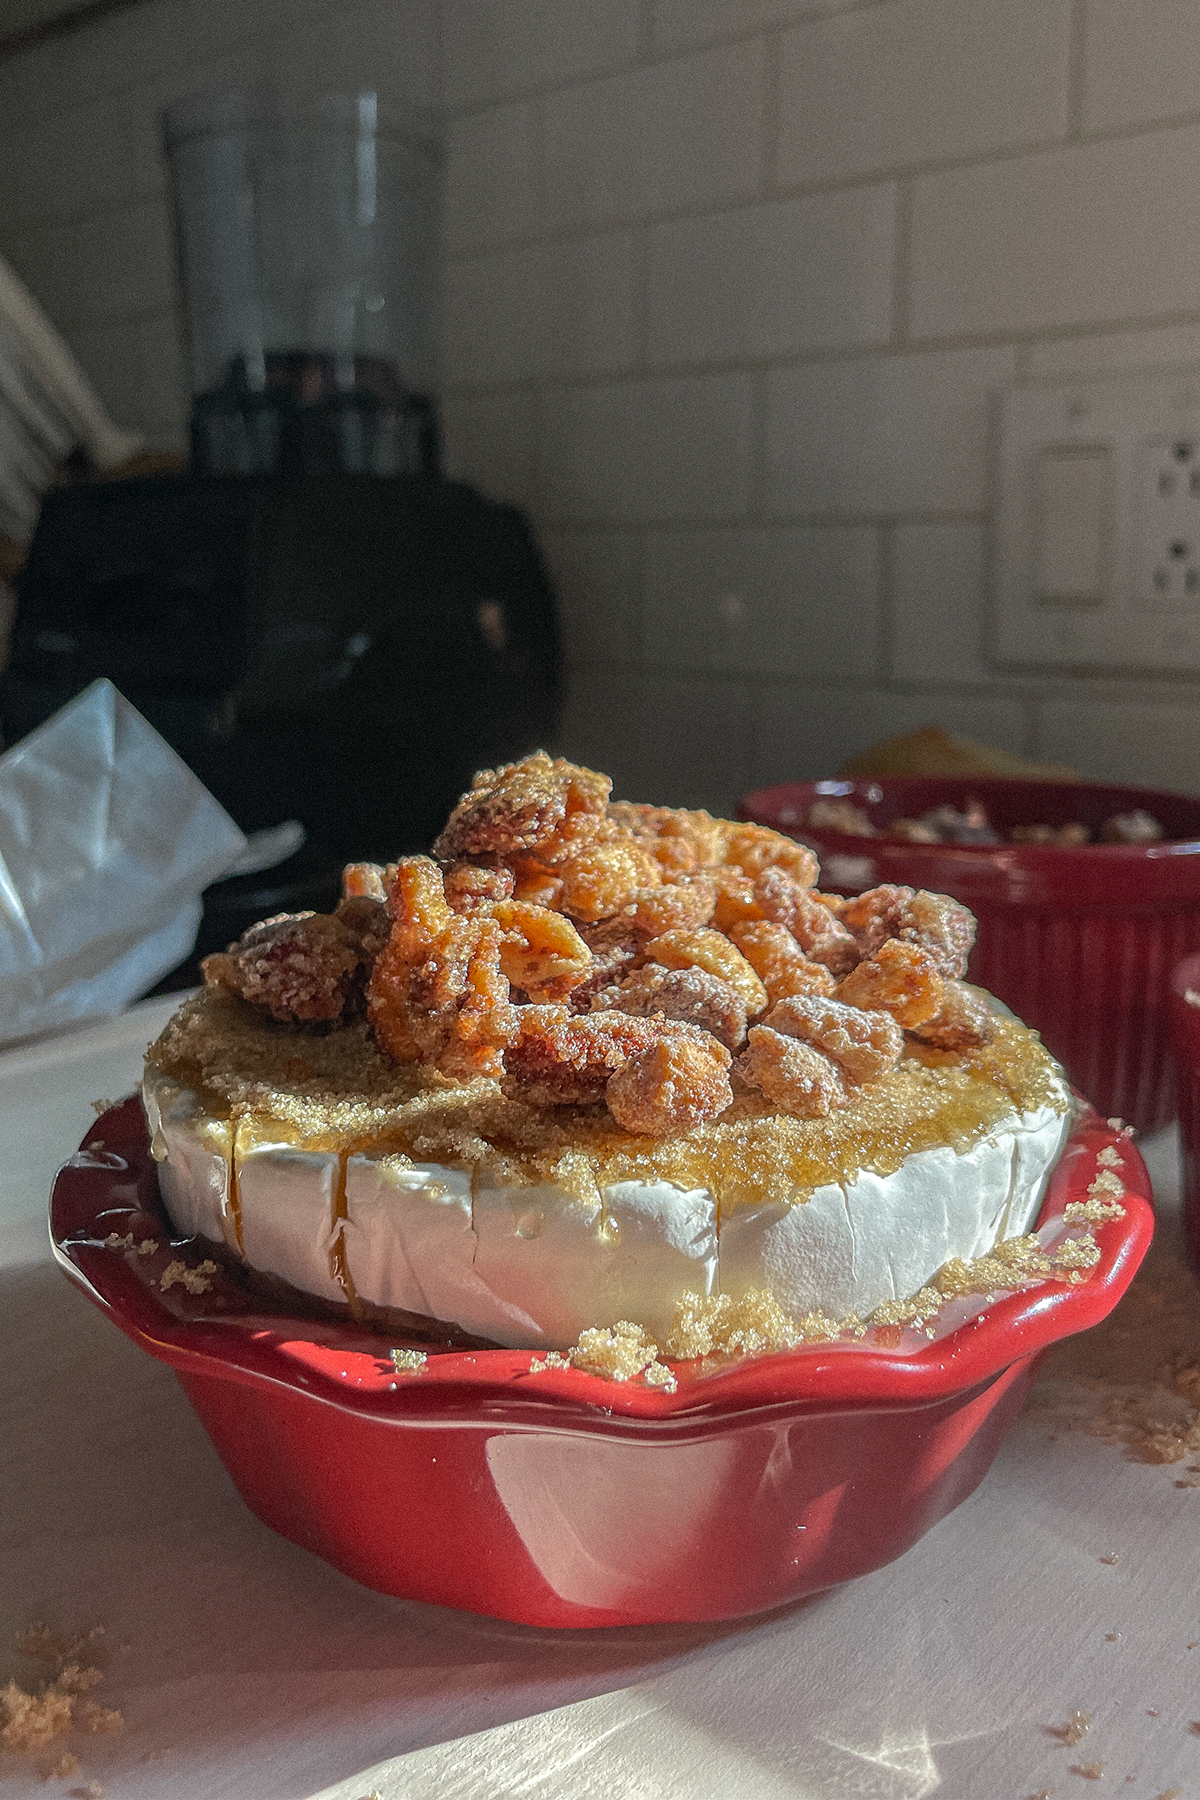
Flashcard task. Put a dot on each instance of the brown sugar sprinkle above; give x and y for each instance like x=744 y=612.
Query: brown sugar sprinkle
x=60 y=1702
x=446 y=955
x=1091 y=1771
x=1112 y=1559
x=196 y=1281
x=1074 y=1730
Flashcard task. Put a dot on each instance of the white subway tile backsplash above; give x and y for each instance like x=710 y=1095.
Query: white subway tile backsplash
x=494 y=50
x=490 y=440
x=71 y=164
x=586 y=297
x=681 y=23
x=647 y=450
x=938 y=603
x=886 y=86
x=776 y=601
x=1093 y=232
x=136 y=367
x=596 y=576
x=1142 y=742
x=886 y=434
x=113 y=265
x=674 y=741
x=1113 y=352
x=677 y=134
x=490 y=193
x=773 y=279
x=806 y=733
x=600 y=726
x=1140 y=62
x=553 y=310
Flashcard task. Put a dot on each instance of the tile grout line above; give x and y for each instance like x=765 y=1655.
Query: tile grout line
x=1076 y=69
x=902 y=266
x=768 y=168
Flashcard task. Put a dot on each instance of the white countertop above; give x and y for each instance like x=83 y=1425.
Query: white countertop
x=247 y=1668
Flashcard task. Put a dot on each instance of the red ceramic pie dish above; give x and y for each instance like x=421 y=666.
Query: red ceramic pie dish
x=561 y=1498
x=1079 y=941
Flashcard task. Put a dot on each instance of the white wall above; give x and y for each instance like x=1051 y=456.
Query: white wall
x=83 y=211
x=731 y=287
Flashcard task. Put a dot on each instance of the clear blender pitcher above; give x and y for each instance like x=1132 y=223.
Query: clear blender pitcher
x=307 y=253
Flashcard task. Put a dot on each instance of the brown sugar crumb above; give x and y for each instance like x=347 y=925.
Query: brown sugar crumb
x=1091 y=1771
x=406 y=1362
x=67 y=1765
x=196 y=1281
x=620 y=1352
x=1170 y=1794
x=1112 y=1559
x=92 y=1790
x=31 y=1721
x=1074 y=1730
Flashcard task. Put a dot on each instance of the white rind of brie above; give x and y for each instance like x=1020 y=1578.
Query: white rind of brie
x=532 y=1267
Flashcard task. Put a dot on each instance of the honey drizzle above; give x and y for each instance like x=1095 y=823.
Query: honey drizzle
x=338 y=1266
x=234 y=1197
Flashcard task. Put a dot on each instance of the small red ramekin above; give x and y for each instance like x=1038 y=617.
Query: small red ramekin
x=561 y=1498
x=1184 y=1016
x=1079 y=941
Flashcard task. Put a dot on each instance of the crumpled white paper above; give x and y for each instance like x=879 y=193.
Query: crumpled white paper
x=106 y=841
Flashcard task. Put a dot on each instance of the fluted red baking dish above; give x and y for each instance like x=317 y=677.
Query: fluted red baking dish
x=1079 y=941
x=562 y=1498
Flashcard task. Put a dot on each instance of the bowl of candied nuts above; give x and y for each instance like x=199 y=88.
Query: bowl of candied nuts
x=1086 y=897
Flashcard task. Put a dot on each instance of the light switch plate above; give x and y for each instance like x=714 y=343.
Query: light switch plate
x=1096 y=562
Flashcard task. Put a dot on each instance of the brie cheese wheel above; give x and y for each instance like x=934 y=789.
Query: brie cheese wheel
x=532 y=1264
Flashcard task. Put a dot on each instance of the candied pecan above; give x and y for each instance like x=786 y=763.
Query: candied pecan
x=682 y=906
x=937 y=923
x=601 y=878
x=470 y=887
x=535 y=883
x=899 y=978
x=558 y=1058
x=541 y=952
x=301 y=968
x=793 y=1075
x=735 y=903
x=819 y=933
x=520 y=807
x=448 y=1005
x=417 y=902
x=707 y=949
x=672 y=1085
x=778 y=960
x=753 y=848
x=864 y=1045
x=692 y=996
x=363 y=880
x=703 y=834
x=965 y=1021
x=615 y=948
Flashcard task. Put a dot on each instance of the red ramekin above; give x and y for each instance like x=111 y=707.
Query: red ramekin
x=1184 y=1016
x=562 y=1498
x=1079 y=941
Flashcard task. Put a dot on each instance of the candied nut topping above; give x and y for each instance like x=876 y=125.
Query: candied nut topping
x=676 y=1083
x=691 y=996
x=522 y=806
x=864 y=1045
x=581 y=952
x=778 y=960
x=560 y=1058
x=711 y=951
x=304 y=968
x=899 y=978
x=937 y=923
x=793 y=1075
x=964 y=1020
x=822 y=937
